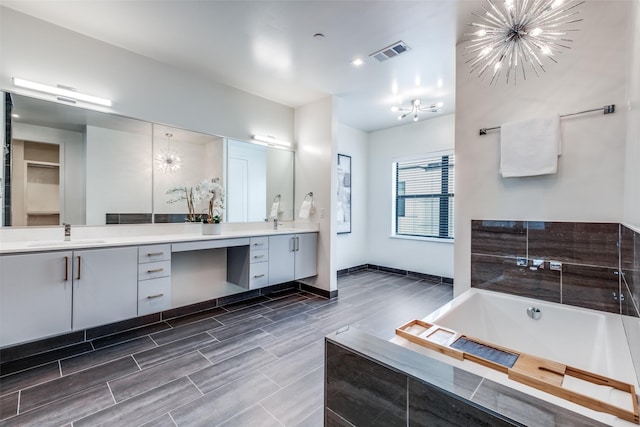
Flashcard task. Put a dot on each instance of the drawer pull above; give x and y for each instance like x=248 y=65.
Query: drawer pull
x=155 y=270
x=257 y=276
x=155 y=296
x=258 y=256
x=155 y=254
x=258 y=244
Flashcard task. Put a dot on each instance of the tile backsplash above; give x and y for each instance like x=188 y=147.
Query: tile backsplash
x=599 y=262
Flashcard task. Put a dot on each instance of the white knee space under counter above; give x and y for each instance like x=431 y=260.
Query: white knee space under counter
x=132 y=271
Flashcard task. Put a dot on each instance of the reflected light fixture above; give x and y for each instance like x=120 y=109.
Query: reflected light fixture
x=520 y=34
x=168 y=160
x=415 y=108
x=270 y=141
x=63 y=93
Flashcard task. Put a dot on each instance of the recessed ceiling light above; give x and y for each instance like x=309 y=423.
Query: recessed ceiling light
x=357 y=62
x=15 y=116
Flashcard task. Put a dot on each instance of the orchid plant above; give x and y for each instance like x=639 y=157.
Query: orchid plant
x=209 y=191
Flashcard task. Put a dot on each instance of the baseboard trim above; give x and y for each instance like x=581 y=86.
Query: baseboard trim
x=430 y=277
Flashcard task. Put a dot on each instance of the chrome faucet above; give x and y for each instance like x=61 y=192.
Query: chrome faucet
x=67 y=232
x=275 y=223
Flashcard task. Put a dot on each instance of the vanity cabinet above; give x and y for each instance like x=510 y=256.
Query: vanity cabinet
x=154 y=279
x=259 y=262
x=292 y=257
x=35 y=296
x=104 y=286
x=50 y=293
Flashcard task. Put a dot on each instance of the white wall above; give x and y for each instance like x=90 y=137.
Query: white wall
x=385 y=146
x=139 y=87
x=316 y=171
x=127 y=153
x=632 y=167
x=352 y=248
x=589 y=182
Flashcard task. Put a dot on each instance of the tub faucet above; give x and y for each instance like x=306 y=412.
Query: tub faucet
x=67 y=232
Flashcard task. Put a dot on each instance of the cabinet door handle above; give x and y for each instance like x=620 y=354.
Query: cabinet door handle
x=292 y=244
x=155 y=296
x=79 y=266
x=257 y=276
x=258 y=244
x=155 y=270
x=297 y=243
x=155 y=254
x=66 y=269
x=258 y=256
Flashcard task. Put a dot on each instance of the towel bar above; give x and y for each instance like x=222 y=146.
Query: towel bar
x=607 y=109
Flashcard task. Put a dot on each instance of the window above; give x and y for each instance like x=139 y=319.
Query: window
x=424 y=191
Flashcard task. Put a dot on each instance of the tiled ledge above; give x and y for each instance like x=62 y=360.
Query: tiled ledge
x=369 y=379
x=423 y=276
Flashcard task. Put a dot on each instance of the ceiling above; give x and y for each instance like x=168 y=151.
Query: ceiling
x=268 y=48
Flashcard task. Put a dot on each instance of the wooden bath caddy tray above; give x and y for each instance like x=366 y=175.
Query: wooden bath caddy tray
x=533 y=371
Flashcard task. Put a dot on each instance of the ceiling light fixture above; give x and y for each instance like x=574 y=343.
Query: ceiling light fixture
x=519 y=35
x=63 y=93
x=270 y=141
x=357 y=62
x=168 y=160
x=415 y=108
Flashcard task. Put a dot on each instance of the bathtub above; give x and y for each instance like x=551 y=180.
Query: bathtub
x=586 y=339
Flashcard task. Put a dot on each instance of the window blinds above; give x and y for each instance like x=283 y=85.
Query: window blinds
x=424 y=197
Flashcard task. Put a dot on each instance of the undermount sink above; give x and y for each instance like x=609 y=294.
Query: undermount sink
x=65 y=242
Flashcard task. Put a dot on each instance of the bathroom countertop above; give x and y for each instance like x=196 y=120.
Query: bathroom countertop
x=104 y=241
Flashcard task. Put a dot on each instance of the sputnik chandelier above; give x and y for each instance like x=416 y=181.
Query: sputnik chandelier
x=168 y=160
x=415 y=108
x=519 y=35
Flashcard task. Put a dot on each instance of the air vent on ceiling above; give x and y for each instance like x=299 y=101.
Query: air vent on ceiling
x=389 y=52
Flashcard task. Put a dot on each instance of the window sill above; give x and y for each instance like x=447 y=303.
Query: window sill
x=422 y=239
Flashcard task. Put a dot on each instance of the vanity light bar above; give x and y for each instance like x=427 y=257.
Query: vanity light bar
x=68 y=94
x=270 y=140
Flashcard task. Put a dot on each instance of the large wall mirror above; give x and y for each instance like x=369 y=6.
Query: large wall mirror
x=82 y=167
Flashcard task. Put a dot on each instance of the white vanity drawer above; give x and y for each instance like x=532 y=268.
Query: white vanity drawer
x=259 y=243
x=154 y=295
x=258 y=275
x=261 y=255
x=152 y=253
x=153 y=270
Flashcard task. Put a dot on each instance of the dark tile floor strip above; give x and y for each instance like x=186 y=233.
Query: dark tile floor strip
x=258 y=362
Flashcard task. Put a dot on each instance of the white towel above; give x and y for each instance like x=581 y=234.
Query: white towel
x=275 y=210
x=305 y=209
x=530 y=147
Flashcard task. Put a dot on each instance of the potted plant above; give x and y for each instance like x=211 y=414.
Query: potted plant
x=211 y=190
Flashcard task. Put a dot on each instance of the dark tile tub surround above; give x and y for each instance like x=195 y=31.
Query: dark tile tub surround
x=630 y=269
x=371 y=381
x=589 y=276
x=128 y=218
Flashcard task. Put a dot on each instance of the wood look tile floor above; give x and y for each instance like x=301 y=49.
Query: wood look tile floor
x=253 y=363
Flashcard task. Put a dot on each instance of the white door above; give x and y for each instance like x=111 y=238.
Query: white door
x=105 y=286
x=35 y=296
x=281 y=259
x=306 y=255
x=237 y=190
